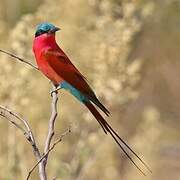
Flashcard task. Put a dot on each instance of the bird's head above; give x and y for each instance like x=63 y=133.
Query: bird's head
x=46 y=28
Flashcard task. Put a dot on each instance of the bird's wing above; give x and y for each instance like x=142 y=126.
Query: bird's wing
x=64 y=68
x=61 y=64
x=61 y=57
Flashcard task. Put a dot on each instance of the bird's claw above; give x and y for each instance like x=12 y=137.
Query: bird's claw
x=54 y=91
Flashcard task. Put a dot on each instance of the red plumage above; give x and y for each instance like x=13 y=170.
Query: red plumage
x=56 y=66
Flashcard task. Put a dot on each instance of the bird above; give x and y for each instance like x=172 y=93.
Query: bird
x=58 y=68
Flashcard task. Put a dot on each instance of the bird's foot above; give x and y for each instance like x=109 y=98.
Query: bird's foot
x=55 y=90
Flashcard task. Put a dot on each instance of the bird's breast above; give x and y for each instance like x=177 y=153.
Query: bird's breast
x=45 y=68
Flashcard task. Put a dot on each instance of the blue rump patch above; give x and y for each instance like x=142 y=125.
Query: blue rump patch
x=73 y=91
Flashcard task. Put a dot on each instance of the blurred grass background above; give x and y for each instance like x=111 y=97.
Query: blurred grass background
x=129 y=51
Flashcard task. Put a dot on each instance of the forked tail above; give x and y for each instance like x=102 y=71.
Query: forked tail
x=108 y=129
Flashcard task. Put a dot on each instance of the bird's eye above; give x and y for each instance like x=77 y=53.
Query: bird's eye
x=39 y=32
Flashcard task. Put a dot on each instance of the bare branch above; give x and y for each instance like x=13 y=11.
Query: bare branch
x=41 y=159
x=20 y=59
x=23 y=121
x=51 y=123
x=49 y=150
x=2 y=113
x=27 y=133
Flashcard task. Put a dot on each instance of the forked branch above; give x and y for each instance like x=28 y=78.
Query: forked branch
x=23 y=125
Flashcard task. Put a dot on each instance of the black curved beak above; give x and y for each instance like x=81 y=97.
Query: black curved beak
x=54 y=30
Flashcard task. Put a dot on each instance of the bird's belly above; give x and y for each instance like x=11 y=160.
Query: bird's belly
x=50 y=73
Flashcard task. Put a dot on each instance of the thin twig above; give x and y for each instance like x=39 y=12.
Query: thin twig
x=14 y=123
x=27 y=133
x=20 y=59
x=49 y=150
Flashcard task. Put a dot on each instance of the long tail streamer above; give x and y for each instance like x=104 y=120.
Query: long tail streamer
x=108 y=129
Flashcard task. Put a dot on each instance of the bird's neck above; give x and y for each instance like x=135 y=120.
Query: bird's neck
x=45 y=40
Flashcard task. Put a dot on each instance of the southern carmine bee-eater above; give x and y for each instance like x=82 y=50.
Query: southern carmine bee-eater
x=57 y=67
